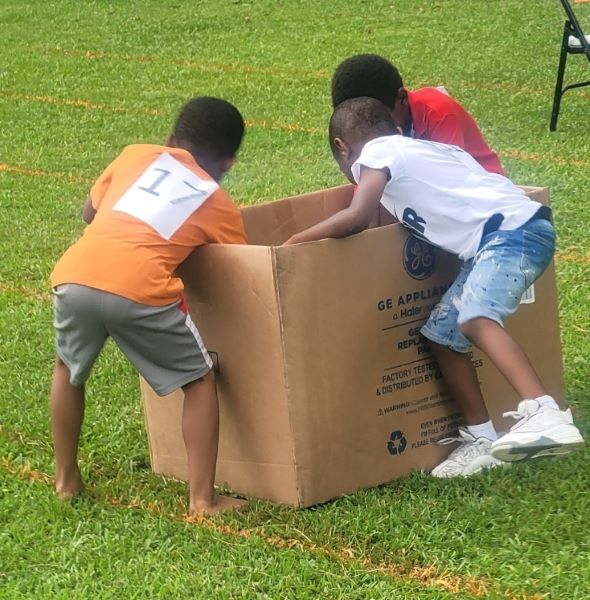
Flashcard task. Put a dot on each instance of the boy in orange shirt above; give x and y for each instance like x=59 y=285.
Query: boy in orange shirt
x=425 y=114
x=147 y=212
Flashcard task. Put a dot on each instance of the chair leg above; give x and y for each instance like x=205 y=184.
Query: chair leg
x=559 y=82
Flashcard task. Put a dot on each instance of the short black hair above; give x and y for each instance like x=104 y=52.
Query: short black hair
x=362 y=118
x=366 y=75
x=211 y=127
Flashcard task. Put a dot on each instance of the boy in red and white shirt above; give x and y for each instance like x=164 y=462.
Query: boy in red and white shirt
x=147 y=212
x=424 y=114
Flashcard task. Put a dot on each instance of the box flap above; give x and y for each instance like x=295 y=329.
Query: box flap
x=540 y=194
x=272 y=223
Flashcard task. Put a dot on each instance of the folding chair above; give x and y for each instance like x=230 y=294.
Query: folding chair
x=573 y=42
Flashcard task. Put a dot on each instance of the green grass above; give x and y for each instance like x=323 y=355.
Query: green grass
x=80 y=80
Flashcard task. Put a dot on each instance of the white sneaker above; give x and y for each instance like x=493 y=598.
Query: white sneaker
x=469 y=458
x=540 y=431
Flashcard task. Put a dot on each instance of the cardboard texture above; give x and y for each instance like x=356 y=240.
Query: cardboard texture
x=325 y=384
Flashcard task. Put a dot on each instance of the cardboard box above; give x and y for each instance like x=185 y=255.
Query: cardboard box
x=325 y=385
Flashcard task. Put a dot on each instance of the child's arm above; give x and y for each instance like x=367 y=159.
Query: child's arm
x=353 y=219
x=97 y=193
x=88 y=211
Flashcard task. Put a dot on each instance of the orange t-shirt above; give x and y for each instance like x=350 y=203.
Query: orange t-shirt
x=154 y=205
x=436 y=117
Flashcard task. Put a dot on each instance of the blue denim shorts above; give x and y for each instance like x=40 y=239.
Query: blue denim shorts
x=492 y=283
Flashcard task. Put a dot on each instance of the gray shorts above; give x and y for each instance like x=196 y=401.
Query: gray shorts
x=161 y=342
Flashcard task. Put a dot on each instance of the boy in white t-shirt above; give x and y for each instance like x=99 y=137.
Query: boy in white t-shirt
x=505 y=242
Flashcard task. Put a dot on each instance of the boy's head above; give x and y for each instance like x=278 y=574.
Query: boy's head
x=353 y=123
x=375 y=77
x=210 y=129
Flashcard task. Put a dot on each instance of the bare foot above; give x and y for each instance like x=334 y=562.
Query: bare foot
x=218 y=505
x=69 y=486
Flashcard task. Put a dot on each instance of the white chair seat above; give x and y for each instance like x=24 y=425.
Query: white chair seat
x=574 y=42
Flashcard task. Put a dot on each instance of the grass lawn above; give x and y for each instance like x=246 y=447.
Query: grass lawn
x=79 y=81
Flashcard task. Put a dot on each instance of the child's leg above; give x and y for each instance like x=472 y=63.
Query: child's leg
x=476 y=437
x=450 y=347
x=507 y=263
x=542 y=428
x=200 y=429
x=79 y=335
x=67 y=413
x=506 y=354
x=461 y=379
x=166 y=348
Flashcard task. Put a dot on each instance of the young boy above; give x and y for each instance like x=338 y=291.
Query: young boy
x=505 y=240
x=425 y=114
x=147 y=212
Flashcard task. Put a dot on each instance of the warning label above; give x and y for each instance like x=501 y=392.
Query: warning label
x=434 y=430
x=416 y=405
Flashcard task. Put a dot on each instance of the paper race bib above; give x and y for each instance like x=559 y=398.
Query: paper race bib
x=165 y=195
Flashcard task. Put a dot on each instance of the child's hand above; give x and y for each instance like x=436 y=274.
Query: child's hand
x=292 y=240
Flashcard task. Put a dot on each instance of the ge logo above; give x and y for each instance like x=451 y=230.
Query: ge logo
x=397 y=443
x=419 y=258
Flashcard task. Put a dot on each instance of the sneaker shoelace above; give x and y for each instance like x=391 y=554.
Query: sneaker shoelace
x=447 y=441
x=525 y=410
x=466 y=451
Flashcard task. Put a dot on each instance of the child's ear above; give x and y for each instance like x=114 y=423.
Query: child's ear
x=402 y=97
x=342 y=147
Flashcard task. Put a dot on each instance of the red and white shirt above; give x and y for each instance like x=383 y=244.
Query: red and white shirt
x=436 y=117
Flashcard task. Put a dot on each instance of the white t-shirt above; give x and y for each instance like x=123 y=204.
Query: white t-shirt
x=442 y=193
